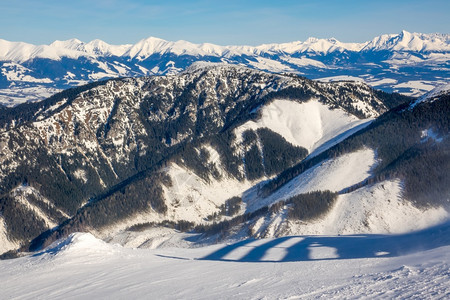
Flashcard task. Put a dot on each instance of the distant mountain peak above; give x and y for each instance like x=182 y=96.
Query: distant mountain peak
x=404 y=41
x=33 y=72
x=407 y=41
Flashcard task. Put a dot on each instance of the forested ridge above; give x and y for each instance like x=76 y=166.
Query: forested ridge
x=98 y=156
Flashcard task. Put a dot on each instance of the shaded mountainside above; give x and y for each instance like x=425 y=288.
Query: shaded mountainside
x=186 y=151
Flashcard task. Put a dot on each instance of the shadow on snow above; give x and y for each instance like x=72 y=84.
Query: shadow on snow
x=305 y=248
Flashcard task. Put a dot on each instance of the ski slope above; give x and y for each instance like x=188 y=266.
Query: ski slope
x=414 y=265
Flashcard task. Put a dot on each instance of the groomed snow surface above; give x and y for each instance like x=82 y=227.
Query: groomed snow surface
x=298 y=267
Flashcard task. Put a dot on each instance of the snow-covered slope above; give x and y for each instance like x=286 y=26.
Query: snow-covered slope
x=399 y=266
x=376 y=209
x=135 y=155
x=99 y=138
x=193 y=198
x=5 y=243
x=332 y=174
x=308 y=124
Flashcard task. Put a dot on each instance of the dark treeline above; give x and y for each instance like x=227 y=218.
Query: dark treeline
x=275 y=155
x=310 y=206
x=22 y=224
x=392 y=100
x=140 y=196
x=278 y=153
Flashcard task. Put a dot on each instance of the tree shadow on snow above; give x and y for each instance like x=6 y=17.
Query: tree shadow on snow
x=306 y=248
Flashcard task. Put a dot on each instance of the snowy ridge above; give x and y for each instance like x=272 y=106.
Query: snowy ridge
x=20 y=194
x=193 y=199
x=78 y=243
x=433 y=94
x=73 y=48
x=406 y=41
x=332 y=174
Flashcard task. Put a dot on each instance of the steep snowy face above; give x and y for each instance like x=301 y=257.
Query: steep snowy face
x=308 y=124
x=312 y=45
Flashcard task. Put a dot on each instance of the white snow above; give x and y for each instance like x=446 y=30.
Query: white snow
x=20 y=196
x=193 y=199
x=100 y=75
x=330 y=267
x=382 y=82
x=303 y=61
x=16 y=72
x=340 y=78
x=262 y=63
x=430 y=134
x=416 y=88
x=433 y=51
x=416 y=84
x=5 y=243
x=74 y=48
x=332 y=174
x=311 y=45
x=80 y=174
x=309 y=124
x=433 y=93
x=377 y=208
x=406 y=41
x=17 y=95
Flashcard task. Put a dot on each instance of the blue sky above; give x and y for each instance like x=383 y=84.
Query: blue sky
x=226 y=22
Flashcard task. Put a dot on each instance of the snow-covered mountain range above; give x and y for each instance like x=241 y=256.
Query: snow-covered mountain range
x=390 y=62
x=224 y=152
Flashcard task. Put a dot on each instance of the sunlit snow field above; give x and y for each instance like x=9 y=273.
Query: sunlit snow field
x=414 y=265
